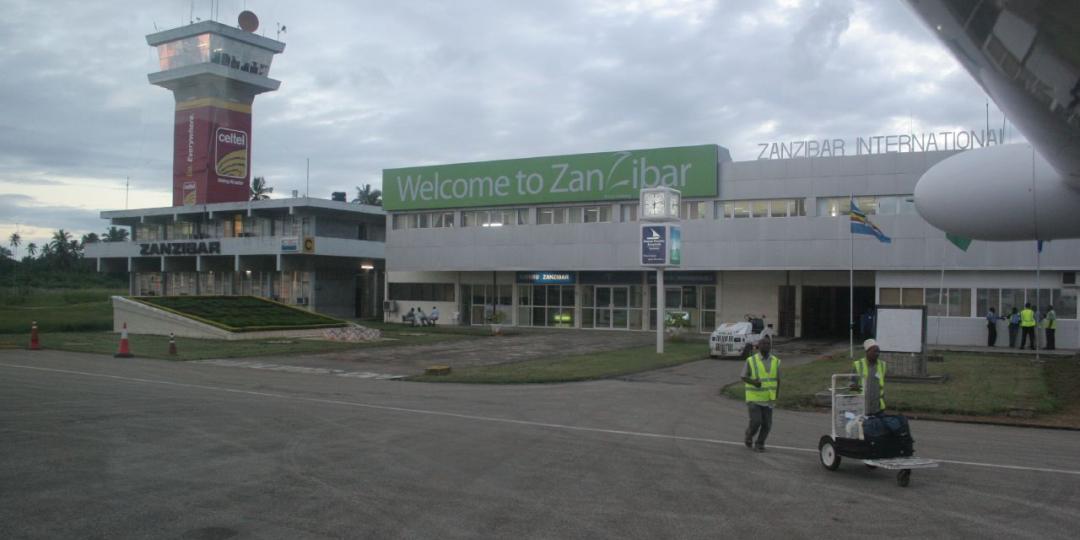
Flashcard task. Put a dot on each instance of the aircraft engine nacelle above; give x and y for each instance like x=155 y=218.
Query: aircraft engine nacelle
x=1000 y=193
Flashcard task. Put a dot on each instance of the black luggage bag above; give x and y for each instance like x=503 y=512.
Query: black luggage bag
x=884 y=436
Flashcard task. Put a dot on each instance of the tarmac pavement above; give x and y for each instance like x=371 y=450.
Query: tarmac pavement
x=97 y=447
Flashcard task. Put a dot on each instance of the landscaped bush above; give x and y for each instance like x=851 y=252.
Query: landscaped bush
x=242 y=313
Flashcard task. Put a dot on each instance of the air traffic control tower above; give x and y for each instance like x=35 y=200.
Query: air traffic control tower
x=214 y=71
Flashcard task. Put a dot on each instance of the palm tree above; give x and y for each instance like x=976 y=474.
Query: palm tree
x=90 y=238
x=14 y=240
x=31 y=249
x=259 y=190
x=60 y=247
x=115 y=234
x=5 y=253
x=368 y=195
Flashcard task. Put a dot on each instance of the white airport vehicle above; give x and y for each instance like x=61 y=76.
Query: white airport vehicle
x=737 y=340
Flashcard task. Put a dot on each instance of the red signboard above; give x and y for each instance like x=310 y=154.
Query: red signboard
x=211 y=152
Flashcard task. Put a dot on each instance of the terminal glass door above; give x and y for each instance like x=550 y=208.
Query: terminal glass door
x=610 y=306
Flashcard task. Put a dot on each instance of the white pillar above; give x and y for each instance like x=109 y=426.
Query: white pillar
x=660 y=297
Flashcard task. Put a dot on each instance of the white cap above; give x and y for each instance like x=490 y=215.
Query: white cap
x=869 y=343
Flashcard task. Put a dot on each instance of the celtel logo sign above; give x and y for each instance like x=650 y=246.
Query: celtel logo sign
x=231 y=153
x=581 y=177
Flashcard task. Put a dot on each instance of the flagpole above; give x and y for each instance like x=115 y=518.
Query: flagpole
x=851 y=285
x=1038 y=284
x=941 y=290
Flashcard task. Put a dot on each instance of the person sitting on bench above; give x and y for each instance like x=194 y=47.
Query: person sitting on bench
x=421 y=317
x=433 y=317
x=409 y=317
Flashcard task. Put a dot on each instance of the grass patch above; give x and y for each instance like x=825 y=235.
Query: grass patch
x=57 y=310
x=1063 y=380
x=241 y=313
x=584 y=367
x=978 y=385
x=146 y=346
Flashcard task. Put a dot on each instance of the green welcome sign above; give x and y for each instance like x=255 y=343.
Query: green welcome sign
x=553 y=179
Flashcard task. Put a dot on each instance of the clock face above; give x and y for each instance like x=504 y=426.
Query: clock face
x=653 y=204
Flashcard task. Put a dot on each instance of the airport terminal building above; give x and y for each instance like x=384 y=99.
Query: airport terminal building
x=555 y=242
x=323 y=255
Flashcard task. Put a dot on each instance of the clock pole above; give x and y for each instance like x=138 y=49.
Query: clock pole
x=660 y=308
x=660 y=243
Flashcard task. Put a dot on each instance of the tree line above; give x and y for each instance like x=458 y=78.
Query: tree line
x=57 y=262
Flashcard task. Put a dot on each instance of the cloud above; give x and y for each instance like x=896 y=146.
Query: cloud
x=818 y=36
x=374 y=85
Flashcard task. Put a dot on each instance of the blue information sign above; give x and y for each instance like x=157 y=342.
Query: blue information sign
x=654 y=245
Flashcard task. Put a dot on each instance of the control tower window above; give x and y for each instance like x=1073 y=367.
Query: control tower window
x=215 y=49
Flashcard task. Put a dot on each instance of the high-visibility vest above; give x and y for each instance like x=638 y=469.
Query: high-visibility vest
x=1050 y=322
x=768 y=378
x=1027 y=318
x=862 y=369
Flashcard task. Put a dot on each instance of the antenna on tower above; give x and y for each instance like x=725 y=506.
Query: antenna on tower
x=281 y=29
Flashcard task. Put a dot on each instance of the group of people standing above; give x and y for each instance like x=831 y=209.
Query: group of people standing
x=1023 y=322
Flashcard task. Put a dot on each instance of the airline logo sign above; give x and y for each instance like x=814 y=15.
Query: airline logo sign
x=231 y=153
x=653 y=245
x=661 y=245
x=541 y=180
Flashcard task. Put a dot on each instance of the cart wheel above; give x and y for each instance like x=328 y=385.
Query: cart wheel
x=830 y=458
x=903 y=478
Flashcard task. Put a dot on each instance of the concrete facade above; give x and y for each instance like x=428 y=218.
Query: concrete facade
x=749 y=260
x=326 y=256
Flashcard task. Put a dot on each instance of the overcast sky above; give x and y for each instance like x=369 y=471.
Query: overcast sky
x=374 y=84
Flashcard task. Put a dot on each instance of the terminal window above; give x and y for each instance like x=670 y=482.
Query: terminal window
x=693 y=209
x=499 y=217
x=551 y=216
x=597 y=214
x=760 y=208
x=884 y=205
x=426 y=292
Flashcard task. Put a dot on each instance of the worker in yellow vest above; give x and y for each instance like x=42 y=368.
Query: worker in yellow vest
x=871 y=378
x=761 y=374
x=1027 y=326
x=1050 y=324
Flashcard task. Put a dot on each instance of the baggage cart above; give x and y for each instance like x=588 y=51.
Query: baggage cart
x=846 y=438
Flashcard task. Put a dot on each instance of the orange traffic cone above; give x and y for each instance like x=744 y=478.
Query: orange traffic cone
x=125 y=349
x=172 y=344
x=35 y=344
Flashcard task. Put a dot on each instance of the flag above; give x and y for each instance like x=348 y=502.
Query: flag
x=861 y=225
x=961 y=242
x=1039 y=244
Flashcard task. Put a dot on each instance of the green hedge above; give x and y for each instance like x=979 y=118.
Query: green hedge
x=241 y=313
